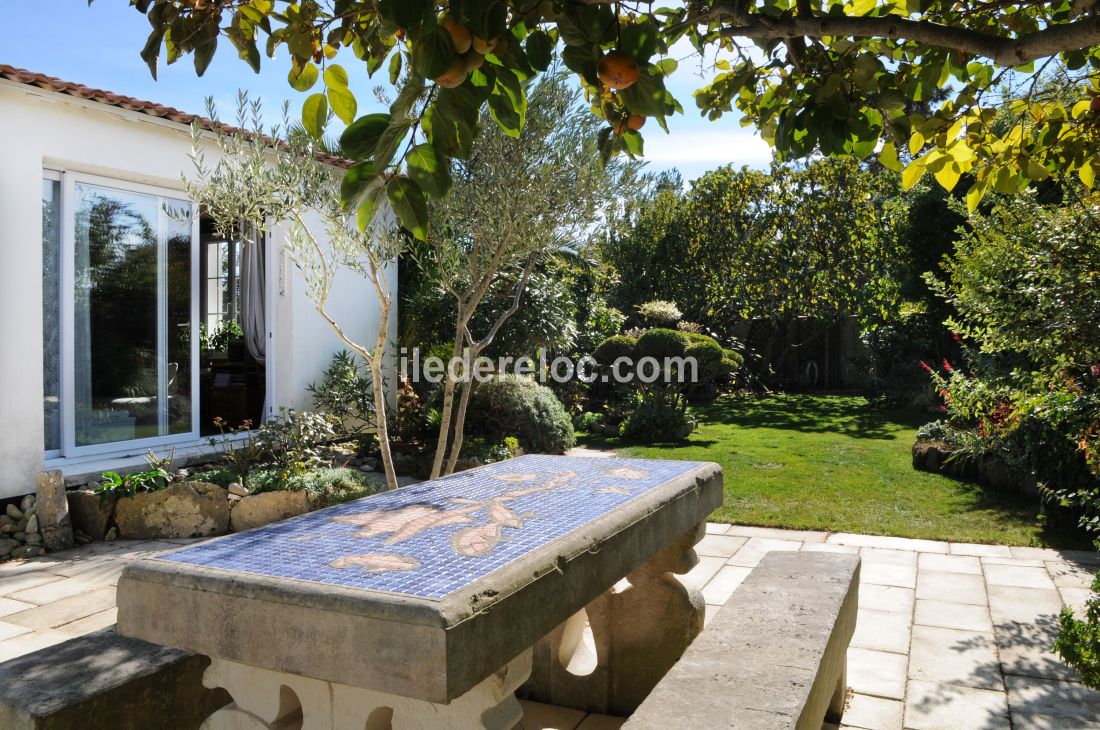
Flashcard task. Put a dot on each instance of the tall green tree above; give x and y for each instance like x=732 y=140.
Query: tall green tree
x=797 y=241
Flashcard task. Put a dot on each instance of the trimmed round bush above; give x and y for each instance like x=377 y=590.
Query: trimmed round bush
x=709 y=354
x=655 y=421
x=509 y=405
x=661 y=343
x=613 y=348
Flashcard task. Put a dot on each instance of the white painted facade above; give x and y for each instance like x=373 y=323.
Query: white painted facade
x=45 y=132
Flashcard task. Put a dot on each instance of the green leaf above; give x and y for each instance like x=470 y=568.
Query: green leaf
x=388 y=143
x=335 y=75
x=342 y=102
x=315 y=115
x=646 y=96
x=888 y=157
x=508 y=103
x=434 y=53
x=540 y=49
x=368 y=207
x=452 y=122
x=410 y=92
x=667 y=66
x=1087 y=175
x=606 y=141
x=1036 y=171
x=429 y=170
x=395 y=68
x=572 y=31
x=916 y=143
x=355 y=181
x=582 y=62
x=632 y=143
x=948 y=176
x=407 y=14
x=204 y=53
x=976 y=192
x=151 y=51
x=361 y=137
x=408 y=203
x=912 y=173
x=638 y=40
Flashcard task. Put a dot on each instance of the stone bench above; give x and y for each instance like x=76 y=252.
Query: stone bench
x=773 y=657
x=103 y=681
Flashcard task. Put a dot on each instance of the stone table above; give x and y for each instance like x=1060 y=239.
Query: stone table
x=419 y=607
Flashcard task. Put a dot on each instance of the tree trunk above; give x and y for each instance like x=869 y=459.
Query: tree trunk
x=381 y=427
x=460 y=421
x=448 y=406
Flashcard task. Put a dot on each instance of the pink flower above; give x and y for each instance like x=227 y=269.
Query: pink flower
x=946 y=365
x=956 y=337
x=925 y=365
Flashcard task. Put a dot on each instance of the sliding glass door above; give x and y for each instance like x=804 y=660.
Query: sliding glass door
x=128 y=312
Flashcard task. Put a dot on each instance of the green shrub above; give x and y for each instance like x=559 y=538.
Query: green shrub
x=486 y=452
x=345 y=393
x=613 y=348
x=709 y=355
x=153 y=479
x=659 y=313
x=290 y=440
x=1079 y=641
x=657 y=421
x=934 y=431
x=661 y=343
x=603 y=321
x=509 y=405
x=584 y=421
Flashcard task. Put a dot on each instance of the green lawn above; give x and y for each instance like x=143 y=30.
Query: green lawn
x=831 y=462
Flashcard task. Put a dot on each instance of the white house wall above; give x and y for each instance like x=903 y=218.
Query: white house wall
x=41 y=129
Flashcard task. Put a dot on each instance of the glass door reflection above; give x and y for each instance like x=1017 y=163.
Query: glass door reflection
x=131 y=316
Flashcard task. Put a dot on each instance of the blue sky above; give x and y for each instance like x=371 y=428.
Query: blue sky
x=98 y=46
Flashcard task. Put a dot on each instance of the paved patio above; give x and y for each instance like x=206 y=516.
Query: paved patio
x=950 y=635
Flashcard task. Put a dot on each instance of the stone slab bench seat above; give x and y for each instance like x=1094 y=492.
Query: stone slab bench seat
x=772 y=658
x=103 y=681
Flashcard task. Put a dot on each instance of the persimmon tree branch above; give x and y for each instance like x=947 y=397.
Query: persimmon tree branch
x=1002 y=50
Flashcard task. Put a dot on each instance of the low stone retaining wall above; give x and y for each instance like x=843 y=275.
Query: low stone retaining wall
x=183 y=509
x=936 y=457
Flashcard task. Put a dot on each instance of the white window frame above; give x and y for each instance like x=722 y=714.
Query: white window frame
x=55 y=176
x=69 y=448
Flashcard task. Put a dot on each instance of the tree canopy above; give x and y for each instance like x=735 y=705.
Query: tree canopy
x=839 y=77
x=807 y=241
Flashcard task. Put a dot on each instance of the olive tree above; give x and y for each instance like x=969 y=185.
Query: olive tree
x=515 y=202
x=259 y=178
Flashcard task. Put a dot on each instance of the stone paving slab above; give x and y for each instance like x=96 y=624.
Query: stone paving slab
x=945 y=706
x=927 y=615
x=962 y=616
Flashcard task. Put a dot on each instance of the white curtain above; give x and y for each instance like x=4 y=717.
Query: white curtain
x=253 y=314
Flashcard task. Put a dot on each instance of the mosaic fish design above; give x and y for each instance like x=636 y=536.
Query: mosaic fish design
x=427 y=540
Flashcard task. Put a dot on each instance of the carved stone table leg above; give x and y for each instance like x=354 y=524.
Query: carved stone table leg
x=638 y=631
x=268 y=700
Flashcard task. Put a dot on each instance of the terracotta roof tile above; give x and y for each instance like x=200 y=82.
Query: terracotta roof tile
x=101 y=96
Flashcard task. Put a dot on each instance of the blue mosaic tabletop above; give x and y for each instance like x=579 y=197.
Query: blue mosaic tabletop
x=430 y=539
